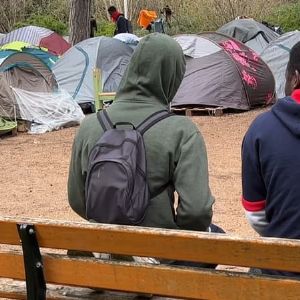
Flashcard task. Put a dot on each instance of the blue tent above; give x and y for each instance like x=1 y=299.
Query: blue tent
x=74 y=70
x=48 y=58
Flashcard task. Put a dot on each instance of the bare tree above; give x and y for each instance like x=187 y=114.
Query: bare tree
x=80 y=14
x=12 y=12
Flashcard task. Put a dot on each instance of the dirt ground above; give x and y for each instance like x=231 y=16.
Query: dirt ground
x=34 y=171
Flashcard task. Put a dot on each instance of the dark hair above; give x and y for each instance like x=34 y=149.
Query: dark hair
x=112 y=9
x=294 y=61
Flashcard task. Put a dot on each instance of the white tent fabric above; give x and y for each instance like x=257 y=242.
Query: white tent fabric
x=195 y=46
x=276 y=55
x=28 y=34
x=48 y=111
x=127 y=38
x=74 y=71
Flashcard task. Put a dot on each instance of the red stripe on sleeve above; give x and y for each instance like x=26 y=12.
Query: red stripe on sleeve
x=296 y=96
x=253 y=205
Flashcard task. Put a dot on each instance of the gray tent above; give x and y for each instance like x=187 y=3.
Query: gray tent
x=222 y=72
x=254 y=34
x=276 y=55
x=23 y=71
x=29 y=91
x=74 y=71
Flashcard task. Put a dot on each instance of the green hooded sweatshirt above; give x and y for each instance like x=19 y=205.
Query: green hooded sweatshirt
x=175 y=150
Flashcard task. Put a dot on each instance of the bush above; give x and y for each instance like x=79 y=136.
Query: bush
x=286 y=16
x=105 y=28
x=46 y=22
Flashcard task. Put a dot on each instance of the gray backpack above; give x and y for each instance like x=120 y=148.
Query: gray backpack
x=116 y=189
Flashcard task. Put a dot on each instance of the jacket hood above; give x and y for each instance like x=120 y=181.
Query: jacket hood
x=287 y=111
x=154 y=73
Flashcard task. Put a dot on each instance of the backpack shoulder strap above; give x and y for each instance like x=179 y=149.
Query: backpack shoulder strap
x=153 y=119
x=104 y=120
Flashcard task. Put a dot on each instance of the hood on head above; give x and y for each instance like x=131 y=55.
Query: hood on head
x=155 y=71
x=287 y=111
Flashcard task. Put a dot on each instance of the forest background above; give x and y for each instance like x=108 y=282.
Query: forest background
x=190 y=16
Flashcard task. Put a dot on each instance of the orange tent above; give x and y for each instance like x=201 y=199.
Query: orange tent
x=146 y=17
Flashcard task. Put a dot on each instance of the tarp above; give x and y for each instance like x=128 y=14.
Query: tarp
x=276 y=55
x=15 y=46
x=6 y=126
x=254 y=34
x=128 y=38
x=146 y=17
x=222 y=72
x=74 y=70
x=48 y=111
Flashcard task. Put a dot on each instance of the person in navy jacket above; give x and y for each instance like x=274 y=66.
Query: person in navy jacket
x=122 y=24
x=271 y=164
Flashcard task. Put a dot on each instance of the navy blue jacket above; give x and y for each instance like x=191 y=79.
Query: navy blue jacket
x=271 y=171
x=123 y=25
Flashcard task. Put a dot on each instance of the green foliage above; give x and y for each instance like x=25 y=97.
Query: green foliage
x=140 y=32
x=44 y=21
x=189 y=24
x=190 y=16
x=286 y=16
x=105 y=28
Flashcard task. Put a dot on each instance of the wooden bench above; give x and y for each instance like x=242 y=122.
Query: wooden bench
x=170 y=281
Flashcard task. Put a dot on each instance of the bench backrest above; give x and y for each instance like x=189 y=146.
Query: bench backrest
x=157 y=279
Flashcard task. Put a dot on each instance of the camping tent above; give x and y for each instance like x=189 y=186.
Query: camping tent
x=222 y=72
x=37 y=36
x=29 y=91
x=254 y=34
x=74 y=71
x=276 y=55
x=45 y=56
x=24 y=71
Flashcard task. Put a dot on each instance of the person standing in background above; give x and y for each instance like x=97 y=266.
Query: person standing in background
x=93 y=26
x=122 y=24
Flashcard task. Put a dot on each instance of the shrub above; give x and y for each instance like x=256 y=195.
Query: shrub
x=286 y=16
x=44 y=21
x=105 y=28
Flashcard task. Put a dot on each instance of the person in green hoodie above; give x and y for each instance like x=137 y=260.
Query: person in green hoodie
x=175 y=149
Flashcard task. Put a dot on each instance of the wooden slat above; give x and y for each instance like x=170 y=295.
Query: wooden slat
x=11 y=294
x=159 y=280
x=215 y=111
x=17 y=290
x=110 y=94
x=11 y=265
x=178 y=245
x=166 y=281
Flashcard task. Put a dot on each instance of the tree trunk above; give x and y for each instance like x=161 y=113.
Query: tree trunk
x=80 y=14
